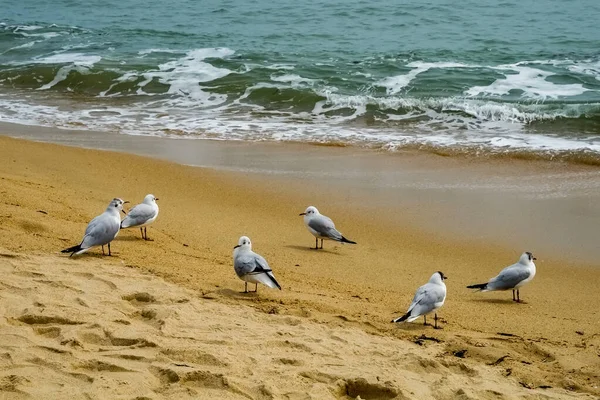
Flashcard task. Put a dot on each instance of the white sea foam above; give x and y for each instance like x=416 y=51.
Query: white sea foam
x=150 y=51
x=395 y=84
x=63 y=73
x=532 y=82
x=68 y=58
x=27 y=28
x=195 y=110
x=293 y=79
x=184 y=77
x=45 y=35
x=22 y=46
x=586 y=68
x=74 y=62
x=143 y=120
x=279 y=66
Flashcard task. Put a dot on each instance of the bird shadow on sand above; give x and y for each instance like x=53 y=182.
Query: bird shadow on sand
x=418 y=326
x=498 y=301
x=312 y=249
x=91 y=255
x=238 y=295
x=413 y=326
x=129 y=239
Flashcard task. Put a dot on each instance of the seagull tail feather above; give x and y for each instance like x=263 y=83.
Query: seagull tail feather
x=72 y=250
x=344 y=240
x=274 y=281
x=402 y=318
x=480 y=286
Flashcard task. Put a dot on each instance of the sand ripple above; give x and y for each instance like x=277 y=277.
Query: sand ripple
x=92 y=328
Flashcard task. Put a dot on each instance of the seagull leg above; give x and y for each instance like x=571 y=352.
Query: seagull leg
x=435 y=325
x=518 y=296
x=424 y=319
x=514 y=299
x=142 y=232
x=316 y=243
x=146 y=233
x=321 y=243
x=245 y=287
x=109 y=250
x=103 y=250
x=256 y=288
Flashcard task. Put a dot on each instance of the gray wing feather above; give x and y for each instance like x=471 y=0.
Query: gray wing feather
x=425 y=299
x=138 y=215
x=100 y=231
x=93 y=224
x=261 y=263
x=245 y=264
x=325 y=227
x=509 y=277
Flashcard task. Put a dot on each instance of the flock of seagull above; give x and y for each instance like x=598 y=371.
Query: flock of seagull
x=253 y=268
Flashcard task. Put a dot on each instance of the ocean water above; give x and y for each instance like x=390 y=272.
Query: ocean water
x=480 y=77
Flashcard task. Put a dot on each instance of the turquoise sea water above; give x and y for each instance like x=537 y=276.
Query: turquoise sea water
x=472 y=76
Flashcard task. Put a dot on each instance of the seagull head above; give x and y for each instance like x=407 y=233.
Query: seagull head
x=438 y=277
x=527 y=258
x=310 y=211
x=244 y=243
x=150 y=199
x=116 y=204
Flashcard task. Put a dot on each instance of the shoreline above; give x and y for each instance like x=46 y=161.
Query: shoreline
x=204 y=211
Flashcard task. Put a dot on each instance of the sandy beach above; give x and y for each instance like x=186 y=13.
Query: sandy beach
x=166 y=319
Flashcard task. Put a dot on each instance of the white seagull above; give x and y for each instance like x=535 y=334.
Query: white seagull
x=511 y=277
x=428 y=298
x=252 y=267
x=141 y=215
x=101 y=230
x=322 y=227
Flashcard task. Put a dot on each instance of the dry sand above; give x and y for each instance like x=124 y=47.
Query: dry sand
x=72 y=328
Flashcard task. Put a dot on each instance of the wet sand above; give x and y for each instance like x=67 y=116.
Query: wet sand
x=551 y=208
x=50 y=192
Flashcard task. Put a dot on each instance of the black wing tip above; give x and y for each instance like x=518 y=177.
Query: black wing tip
x=72 y=250
x=402 y=318
x=477 y=286
x=344 y=240
x=274 y=281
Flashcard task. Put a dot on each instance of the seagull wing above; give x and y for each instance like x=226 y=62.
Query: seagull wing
x=100 y=231
x=255 y=265
x=139 y=215
x=325 y=227
x=509 y=277
x=426 y=298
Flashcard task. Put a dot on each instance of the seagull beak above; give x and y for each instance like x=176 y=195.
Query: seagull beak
x=235 y=247
x=445 y=277
x=125 y=202
x=123 y=211
x=534 y=258
x=302 y=214
x=156 y=198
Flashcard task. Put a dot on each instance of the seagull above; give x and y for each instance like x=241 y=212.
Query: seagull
x=322 y=227
x=428 y=298
x=101 y=230
x=141 y=215
x=252 y=267
x=511 y=277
